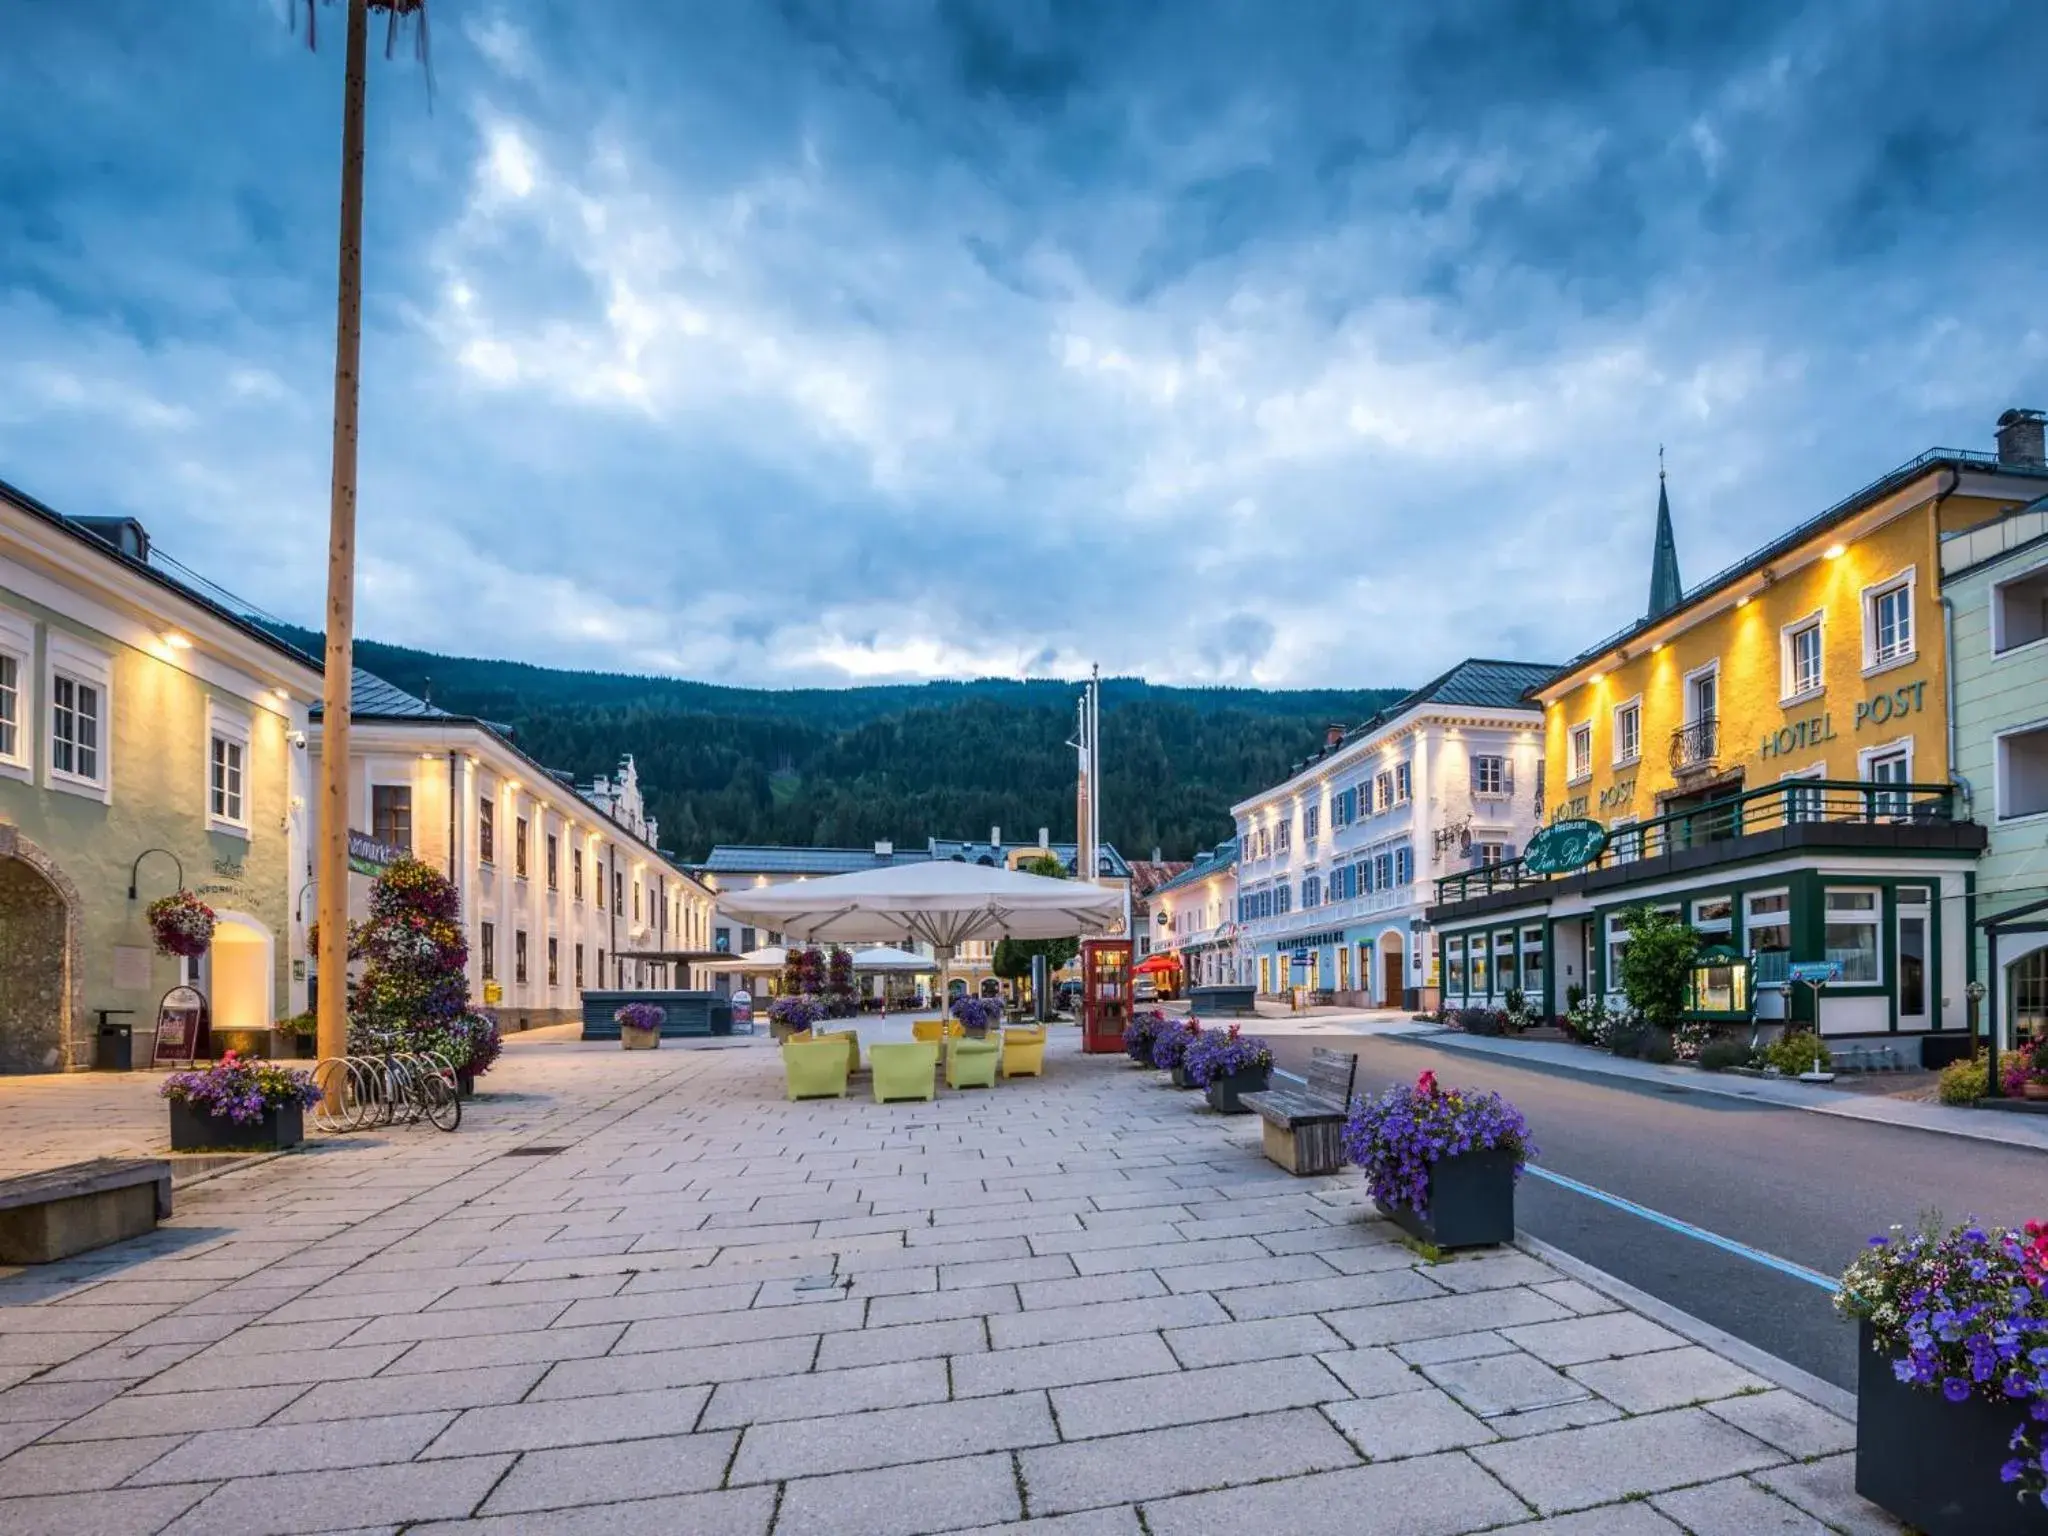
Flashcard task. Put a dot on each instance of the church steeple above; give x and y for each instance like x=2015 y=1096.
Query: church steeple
x=1665 y=587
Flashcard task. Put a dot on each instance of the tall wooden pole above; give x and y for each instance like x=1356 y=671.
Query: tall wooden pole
x=341 y=556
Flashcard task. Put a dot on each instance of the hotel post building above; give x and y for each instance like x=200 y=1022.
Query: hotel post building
x=1769 y=757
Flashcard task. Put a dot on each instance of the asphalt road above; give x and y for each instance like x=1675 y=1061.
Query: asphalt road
x=1804 y=1187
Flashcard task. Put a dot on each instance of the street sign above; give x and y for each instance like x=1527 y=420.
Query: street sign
x=1564 y=846
x=1814 y=972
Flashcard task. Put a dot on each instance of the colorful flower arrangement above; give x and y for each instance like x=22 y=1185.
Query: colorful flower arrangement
x=1213 y=1056
x=1965 y=1313
x=639 y=1016
x=1170 y=1044
x=798 y=1012
x=1397 y=1138
x=978 y=1012
x=1139 y=1034
x=2022 y=1065
x=181 y=923
x=240 y=1090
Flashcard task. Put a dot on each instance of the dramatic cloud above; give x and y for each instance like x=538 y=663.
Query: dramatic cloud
x=842 y=340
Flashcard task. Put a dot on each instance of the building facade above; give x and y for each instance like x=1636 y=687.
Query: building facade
x=150 y=738
x=1995 y=583
x=1194 y=919
x=561 y=889
x=1767 y=757
x=1333 y=863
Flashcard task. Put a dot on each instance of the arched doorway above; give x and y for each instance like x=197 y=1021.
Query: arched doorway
x=38 y=960
x=1393 y=977
x=240 y=981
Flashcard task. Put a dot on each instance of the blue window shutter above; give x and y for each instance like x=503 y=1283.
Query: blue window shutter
x=1507 y=775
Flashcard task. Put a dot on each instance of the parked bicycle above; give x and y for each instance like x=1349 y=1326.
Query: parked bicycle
x=359 y=1092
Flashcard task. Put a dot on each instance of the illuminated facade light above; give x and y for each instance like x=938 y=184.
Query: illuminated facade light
x=1834 y=551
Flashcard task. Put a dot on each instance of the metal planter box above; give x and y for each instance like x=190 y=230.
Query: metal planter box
x=1225 y=1093
x=1471 y=1202
x=1932 y=1463
x=282 y=1126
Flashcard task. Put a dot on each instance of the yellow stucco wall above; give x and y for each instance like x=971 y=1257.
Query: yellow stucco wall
x=1761 y=734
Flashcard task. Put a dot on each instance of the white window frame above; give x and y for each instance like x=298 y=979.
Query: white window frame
x=1908 y=581
x=2000 y=773
x=1627 y=706
x=226 y=725
x=1624 y=839
x=1856 y=919
x=1789 y=691
x=1998 y=642
x=1404 y=787
x=1810 y=771
x=64 y=656
x=1689 y=697
x=1500 y=790
x=1578 y=770
x=18 y=645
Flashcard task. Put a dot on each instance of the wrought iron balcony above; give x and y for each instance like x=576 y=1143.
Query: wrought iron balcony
x=1696 y=744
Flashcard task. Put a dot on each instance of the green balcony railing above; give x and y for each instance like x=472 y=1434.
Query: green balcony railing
x=1788 y=802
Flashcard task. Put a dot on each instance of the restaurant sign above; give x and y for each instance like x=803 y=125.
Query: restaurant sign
x=1564 y=846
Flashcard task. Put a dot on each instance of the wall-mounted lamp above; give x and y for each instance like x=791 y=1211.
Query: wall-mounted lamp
x=176 y=641
x=135 y=869
x=1834 y=552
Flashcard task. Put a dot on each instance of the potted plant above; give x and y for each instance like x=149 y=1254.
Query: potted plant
x=639 y=1025
x=181 y=924
x=300 y=1034
x=1442 y=1163
x=1952 y=1378
x=1226 y=1065
x=2023 y=1074
x=1170 y=1049
x=977 y=1014
x=473 y=1043
x=793 y=1014
x=240 y=1105
x=1139 y=1034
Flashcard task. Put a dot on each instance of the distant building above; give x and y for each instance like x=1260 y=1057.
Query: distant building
x=1147 y=876
x=1334 y=862
x=562 y=889
x=149 y=736
x=1194 y=919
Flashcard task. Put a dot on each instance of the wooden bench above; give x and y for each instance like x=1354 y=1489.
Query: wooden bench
x=57 y=1212
x=1303 y=1129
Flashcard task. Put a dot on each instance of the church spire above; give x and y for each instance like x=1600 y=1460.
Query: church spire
x=1665 y=587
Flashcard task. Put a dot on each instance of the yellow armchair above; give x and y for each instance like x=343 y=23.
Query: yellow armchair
x=1024 y=1051
x=852 y=1039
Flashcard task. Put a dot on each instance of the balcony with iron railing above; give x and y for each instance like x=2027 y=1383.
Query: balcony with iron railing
x=1695 y=746
x=1793 y=813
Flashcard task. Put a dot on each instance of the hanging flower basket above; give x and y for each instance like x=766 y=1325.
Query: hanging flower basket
x=182 y=924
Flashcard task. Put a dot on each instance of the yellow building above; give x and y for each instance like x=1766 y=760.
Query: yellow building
x=1767 y=755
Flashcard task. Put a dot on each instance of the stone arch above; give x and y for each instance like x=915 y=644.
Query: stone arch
x=42 y=1011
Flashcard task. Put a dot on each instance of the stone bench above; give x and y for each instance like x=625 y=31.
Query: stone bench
x=57 y=1212
x=1303 y=1126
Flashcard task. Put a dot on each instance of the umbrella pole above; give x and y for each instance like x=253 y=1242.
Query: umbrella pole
x=945 y=958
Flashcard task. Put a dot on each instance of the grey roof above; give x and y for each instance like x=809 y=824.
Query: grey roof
x=1476 y=683
x=369 y=696
x=1222 y=857
x=755 y=859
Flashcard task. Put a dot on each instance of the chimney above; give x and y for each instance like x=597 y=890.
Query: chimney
x=2022 y=438
x=1332 y=734
x=122 y=533
x=885 y=849
x=1157 y=857
x=1045 y=837
x=995 y=837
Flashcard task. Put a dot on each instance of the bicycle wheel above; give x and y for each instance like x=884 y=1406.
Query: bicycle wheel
x=443 y=1103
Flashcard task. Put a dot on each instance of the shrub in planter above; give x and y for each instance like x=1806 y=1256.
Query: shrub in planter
x=1959 y=1319
x=1482 y=1021
x=238 y=1103
x=1441 y=1162
x=1965 y=1081
x=1719 y=1054
x=303 y=1031
x=1797 y=1051
x=1226 y=1064
x=1170 y=1045
x=789 y=1015
x=978 y=1014
x=2023 y=1071
x=1139 y=1034
x=640 y=1025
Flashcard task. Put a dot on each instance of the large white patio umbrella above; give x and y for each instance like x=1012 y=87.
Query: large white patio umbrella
x=943 y=903
x=884 y=958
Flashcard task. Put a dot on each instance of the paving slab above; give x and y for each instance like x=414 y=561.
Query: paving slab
x=1736 y=1507
x=571 y=1421
x=1062 y=1365
x=902 y=1501
x=288 y=1503
x=1790 y=1423
x=1577 y=1468
x=1493 y=1385
x=1402 y=1424
x=1158 y=1463
x=114 y=1512
x=1826 y=1489
x=1213 y=1392
x=902 y=1384
x=891 y=1437
x=1669 y=1378
x=1427 y=1496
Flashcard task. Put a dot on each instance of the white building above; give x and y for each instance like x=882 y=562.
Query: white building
x=1195 y=920
x=1335 y=864
x=562 y=889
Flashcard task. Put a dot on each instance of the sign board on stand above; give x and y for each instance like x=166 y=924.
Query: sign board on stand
x=179 y=1018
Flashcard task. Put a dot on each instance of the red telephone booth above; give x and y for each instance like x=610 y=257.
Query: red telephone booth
x=1105 y=993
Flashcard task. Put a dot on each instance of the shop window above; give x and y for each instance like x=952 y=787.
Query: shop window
x=1719 y=983
x=1507 y=974
x=1481 y=975
x=2027 y=981
x=1454 y=966
x=1767 y=934
x=1532 y=966
x=1850 y=935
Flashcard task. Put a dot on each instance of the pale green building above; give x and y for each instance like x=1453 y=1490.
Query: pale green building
x=148 y=735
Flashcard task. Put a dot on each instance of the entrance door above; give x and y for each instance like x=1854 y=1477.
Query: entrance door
x=1343 y=969
x=1913 y=957
x=1391 y=979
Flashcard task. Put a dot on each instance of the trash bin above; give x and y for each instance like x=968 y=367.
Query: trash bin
x=116 y=1051
x=721 y=1018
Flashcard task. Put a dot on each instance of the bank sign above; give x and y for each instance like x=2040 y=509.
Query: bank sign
x=1564 y=846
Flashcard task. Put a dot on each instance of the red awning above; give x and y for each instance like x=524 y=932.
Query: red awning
x=1154 y=963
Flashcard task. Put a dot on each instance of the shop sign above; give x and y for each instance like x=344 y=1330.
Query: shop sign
x=1815 y=972
x=1564 y=846
x=367 y=856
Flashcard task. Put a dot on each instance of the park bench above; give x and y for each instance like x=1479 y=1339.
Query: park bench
x=54 y=1213
x=1304 y=1126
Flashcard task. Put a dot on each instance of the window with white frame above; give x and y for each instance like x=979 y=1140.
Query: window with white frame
x=227 y=770
x=1849 y=935
x=1625 y=839
x=1490 y=776
x=1311 y=822
x=2019 y=610
x=1581 y=751
x=10 y=709
x=79 y=680
x=1805 y=804
x=1888 y=764
x=1713 y=918
x=1801 y=670
x=2023 y=772
x=1383 y=791
x=1767 y=935
x=17 y=647
x=1628 y=731
x=1283 y=835
x=1490 y=854
x=1888 y=622
x=1402 y=793
x=1311 y=891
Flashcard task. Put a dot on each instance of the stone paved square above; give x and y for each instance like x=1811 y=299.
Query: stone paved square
x=1052 y=1309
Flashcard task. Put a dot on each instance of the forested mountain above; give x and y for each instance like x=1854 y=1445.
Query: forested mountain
x=851 y=766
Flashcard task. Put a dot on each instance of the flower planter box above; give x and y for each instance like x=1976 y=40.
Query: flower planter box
x=1932 y=1463
x=906 y=1070
x=1181 y=1080
x=815 y=1069
x=632 y=1039
x=465 y=1083
x=973 y=1063
x=1225 y=1094
x=296 y=1047
x=282 y=1126
x=1471 y=1202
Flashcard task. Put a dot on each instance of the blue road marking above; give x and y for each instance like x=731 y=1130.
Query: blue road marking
x=1687 y=1229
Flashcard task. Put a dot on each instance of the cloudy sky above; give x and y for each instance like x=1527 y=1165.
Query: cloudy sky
x=782 y=341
